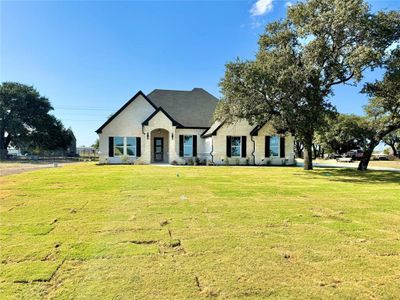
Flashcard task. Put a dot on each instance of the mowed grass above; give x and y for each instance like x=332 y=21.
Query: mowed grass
x=145 y=232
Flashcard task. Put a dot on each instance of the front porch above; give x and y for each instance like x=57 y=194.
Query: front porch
x=159 y=145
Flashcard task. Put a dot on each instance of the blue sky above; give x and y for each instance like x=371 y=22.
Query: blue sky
x=90 y=57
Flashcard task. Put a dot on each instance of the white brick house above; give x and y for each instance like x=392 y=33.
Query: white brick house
x=175 y=126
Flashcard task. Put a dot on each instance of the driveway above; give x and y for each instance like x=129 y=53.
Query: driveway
x=10 y=168
x=346 y=165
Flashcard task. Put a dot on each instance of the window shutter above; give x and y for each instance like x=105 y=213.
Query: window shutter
x=195 y=145
x=181 y=145
x=267 y=150
x=228 y=146
x=244 y=146
x=282 y=146
x=138 y=147
x=111 y=146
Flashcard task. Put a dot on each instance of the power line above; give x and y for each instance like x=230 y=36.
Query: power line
x=71 y=120
x=85 y=108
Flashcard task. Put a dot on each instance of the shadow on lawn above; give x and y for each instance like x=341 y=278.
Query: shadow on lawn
x=354 y=176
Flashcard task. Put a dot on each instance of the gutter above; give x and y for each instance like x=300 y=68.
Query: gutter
x=212 y=150
x=254 y=150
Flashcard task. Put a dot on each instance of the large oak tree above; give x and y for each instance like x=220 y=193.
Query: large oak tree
x=383 y=109
x=25 y=121
x=320 y=44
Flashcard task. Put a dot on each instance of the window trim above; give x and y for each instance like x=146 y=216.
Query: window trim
x=240 y=146
x=278 y=146
x=126 y=146
x=115 y=146
x=184 y=146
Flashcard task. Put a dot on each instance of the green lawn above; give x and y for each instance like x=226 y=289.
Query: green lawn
x=135 y=232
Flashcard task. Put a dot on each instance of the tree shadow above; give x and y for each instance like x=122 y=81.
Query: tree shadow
x=354 y=176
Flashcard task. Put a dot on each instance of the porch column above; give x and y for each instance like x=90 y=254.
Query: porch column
x=172 y=142
x=146 y=151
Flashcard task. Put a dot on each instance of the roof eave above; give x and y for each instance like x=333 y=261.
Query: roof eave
x=139 y=93
x=174 y=123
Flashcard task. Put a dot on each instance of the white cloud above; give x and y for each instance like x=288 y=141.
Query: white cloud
x=288 y=3
x=261 y=7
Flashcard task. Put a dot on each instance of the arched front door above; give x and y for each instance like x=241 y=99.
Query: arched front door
x=159 y=145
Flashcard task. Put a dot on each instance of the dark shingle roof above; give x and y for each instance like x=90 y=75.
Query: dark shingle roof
x=193 y=108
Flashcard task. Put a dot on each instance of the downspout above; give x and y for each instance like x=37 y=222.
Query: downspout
x=212 y=150
x=254 y=150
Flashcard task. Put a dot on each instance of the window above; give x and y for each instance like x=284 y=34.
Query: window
x=118 y=146
x=131 y=146
x=274 y=145
x=235 y=146
x=188 y=146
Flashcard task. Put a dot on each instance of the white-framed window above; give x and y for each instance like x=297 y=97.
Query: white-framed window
x=188 y=145
x=131 y=146
x=274 y=145
x=236 y=143
x=118 y=146
x=124 y=146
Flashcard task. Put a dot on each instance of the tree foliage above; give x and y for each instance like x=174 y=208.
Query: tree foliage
x=393 y=141
x=383 y=109
x=25 y=121
x=96 y=144
x=320 y=44
x=341 y=134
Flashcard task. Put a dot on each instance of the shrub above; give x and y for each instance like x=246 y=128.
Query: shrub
x=226 y=161
x=174 y=163
x=196 y=161
x=190 y=161
x=125 y=159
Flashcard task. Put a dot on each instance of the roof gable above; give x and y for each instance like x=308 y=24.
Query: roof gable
x=261 y=127
x=139 y=93
x=160 y=109
x=213 y=129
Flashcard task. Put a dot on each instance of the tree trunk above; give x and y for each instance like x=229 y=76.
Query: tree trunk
x=315 y=152
x=308 y=153
x=299 y=149
x=394 y=150
x=3 y=146
x=363 y=165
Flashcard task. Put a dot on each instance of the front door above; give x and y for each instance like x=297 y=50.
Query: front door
x=158 y=149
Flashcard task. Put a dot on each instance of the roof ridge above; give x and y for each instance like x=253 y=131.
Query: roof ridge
x=169 y=90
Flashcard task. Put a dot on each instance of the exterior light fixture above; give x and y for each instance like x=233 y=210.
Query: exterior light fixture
x=172 y=136
x=147 y=135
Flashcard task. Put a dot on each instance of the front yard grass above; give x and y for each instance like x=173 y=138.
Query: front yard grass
x=147 y=232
